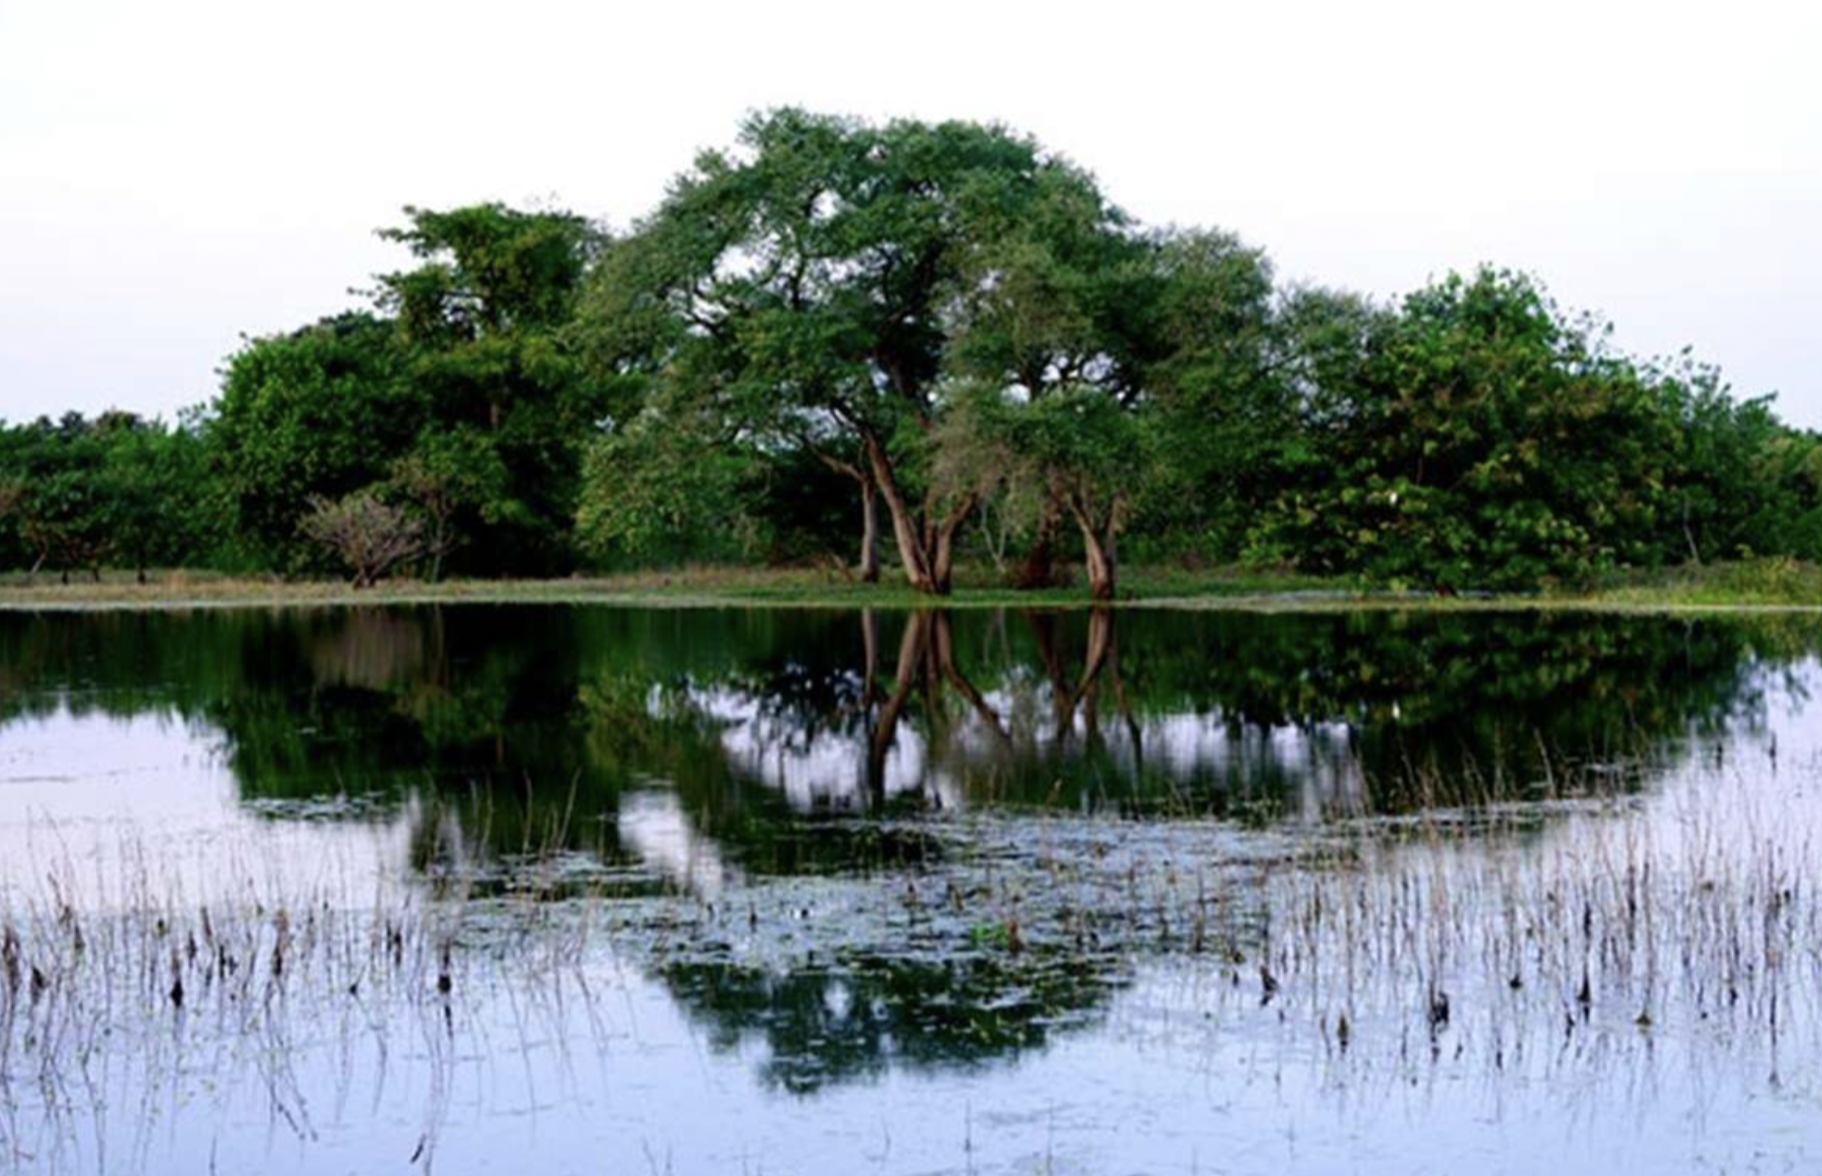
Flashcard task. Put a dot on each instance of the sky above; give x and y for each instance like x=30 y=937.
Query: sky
x=176 y=175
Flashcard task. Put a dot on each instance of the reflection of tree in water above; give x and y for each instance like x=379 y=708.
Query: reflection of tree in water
x=764 y=730
x=826 y=1026
x=1238 y=714
x=836 y=736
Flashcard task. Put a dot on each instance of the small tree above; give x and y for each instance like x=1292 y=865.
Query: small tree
x=1090 y=453
x=364 y=531
x=1075 y=450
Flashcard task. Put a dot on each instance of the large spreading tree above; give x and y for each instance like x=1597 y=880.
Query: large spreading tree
x=825 y=284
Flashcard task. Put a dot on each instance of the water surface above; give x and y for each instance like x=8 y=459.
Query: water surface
x=601 y=889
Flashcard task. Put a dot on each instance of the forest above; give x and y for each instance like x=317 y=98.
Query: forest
x=898 y=350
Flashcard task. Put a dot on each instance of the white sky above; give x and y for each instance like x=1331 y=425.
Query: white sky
x=173 y=174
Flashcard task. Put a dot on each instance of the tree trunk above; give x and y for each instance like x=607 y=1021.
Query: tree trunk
x=927 y=550
x=1100 y=648
x=904 y=527
x=1099 y=555
x=868 y=568
x=885 y=727
x=942 y=563
x=869 y=643
x=1050 y=652
x=438 y=545
x=1099 y=541
x=943 y=641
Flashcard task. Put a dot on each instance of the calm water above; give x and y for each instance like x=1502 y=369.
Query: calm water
x=794 y=891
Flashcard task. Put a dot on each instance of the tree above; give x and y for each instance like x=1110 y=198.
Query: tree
x=115 y=488
x=1062 y=296
x=323 y=411
x=460 y=385
x=666 y=487
x=481 y=330
x=810 y=289
x=1477 y=437
x=57 y=497
x=368 y=534
x=1075 y=450
x=1221 y=380
x=1740 y=482
x=161 y=496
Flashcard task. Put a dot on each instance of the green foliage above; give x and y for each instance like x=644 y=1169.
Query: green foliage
x=480 y=334
x=117 y=489
x=323 y=411
x=818 y=290
x=951 y=323
x=460 y=388
x=1075 y=441
x=452 y=478
x=56 y=494
x=1742 y=483
x=1477 y=438
x=1219 y=391
x=658 y=491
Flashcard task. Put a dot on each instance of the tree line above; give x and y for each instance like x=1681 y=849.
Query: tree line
x=924 y=344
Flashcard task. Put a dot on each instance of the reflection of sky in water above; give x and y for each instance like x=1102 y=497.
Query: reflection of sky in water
x=81 y=789
x=104 y=802
x=653 y=826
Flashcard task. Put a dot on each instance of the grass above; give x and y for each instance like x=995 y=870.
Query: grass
x=806 y=587
x=1779 y=584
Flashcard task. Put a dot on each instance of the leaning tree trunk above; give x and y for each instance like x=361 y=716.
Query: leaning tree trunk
x=943 y=645
x=885 y=725
x=942 y=558
x=1100 y=560
x=927 y=551
x=869 y=643
x=1099 y=548
x=904 y=528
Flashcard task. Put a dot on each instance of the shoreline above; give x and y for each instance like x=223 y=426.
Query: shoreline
x=1173 y=591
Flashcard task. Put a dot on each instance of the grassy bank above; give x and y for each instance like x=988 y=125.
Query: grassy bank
x=1767 y=584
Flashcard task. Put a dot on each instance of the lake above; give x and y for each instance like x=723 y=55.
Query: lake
x=555 y=888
